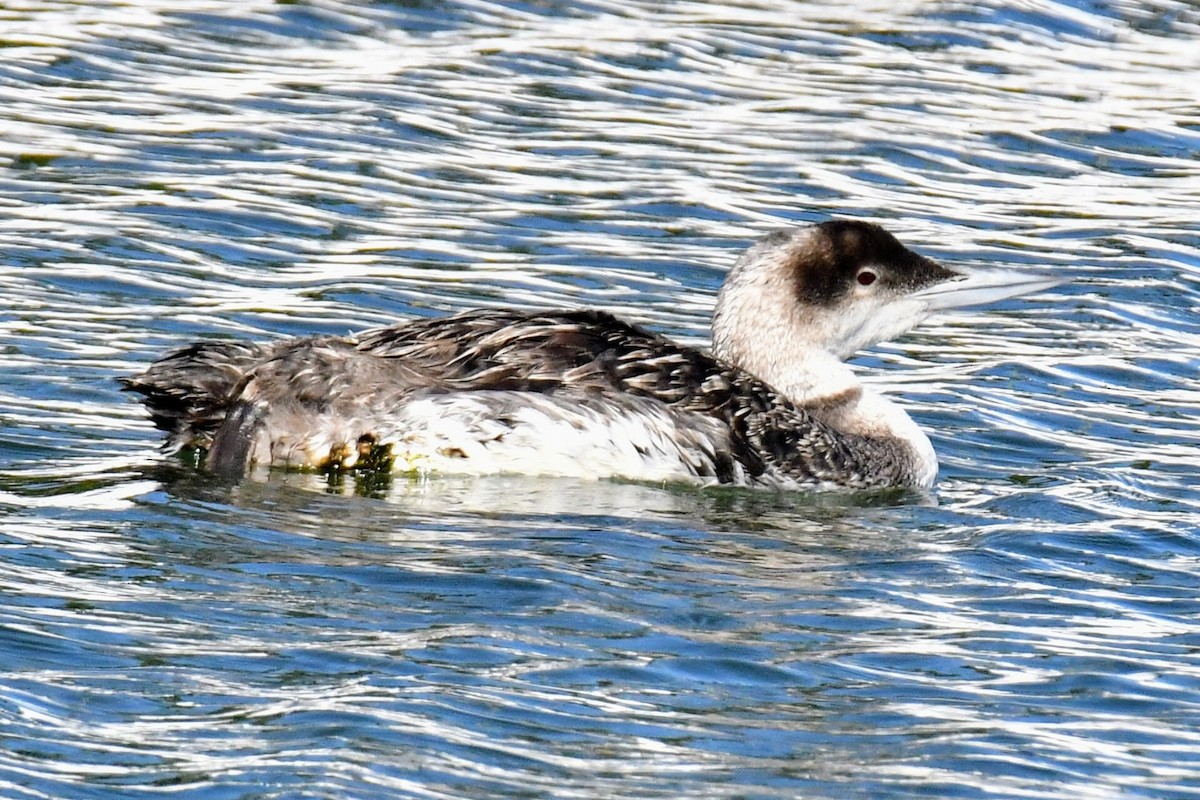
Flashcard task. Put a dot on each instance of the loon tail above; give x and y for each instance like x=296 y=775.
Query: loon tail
x=190 y=392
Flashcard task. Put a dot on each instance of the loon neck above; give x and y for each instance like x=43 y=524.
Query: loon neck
x=757 y=326
x=812 y=379
x=773 y=341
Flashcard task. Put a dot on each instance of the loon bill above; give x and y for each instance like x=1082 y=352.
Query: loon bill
x=581 y=393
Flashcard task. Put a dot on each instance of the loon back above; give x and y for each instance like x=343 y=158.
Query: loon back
x=324 y=402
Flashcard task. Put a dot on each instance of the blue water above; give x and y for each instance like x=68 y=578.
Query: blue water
x=173 y=171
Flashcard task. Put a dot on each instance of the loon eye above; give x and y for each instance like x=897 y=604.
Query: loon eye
x=866 y=277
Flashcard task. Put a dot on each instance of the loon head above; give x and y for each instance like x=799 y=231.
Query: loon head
x=800 y=297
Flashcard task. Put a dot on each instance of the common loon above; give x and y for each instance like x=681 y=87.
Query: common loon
x=581 y=393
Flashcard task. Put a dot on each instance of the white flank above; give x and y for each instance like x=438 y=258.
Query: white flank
x=500 y=432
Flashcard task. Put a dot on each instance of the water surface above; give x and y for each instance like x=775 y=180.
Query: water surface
x=206 y=169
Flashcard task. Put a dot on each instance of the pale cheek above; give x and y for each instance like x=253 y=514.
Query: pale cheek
x=887 y=324
x=877 y=322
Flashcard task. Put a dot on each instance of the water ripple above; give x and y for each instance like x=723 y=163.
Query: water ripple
x=172 y=171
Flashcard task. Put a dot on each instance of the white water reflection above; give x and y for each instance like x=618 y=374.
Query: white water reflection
x=173 y=171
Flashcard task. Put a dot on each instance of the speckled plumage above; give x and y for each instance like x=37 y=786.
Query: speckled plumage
x=206 y=393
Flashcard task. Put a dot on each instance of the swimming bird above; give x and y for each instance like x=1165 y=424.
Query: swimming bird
x=582 y=393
